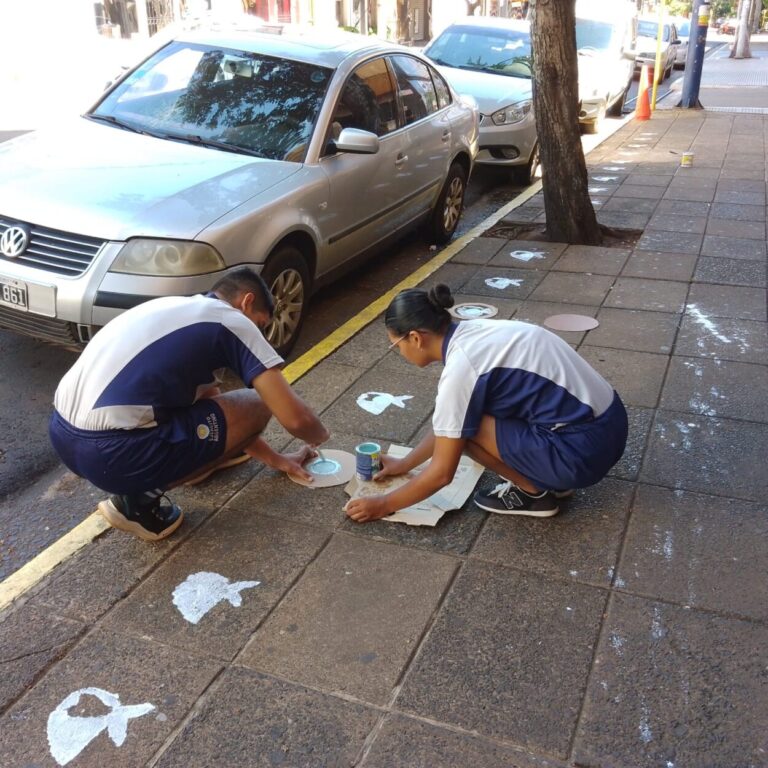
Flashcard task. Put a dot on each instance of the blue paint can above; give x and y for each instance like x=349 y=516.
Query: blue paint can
x=368 y=460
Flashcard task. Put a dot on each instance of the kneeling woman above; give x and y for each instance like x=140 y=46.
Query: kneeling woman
x=514 y=397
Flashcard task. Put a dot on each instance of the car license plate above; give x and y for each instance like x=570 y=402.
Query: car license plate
x=13 y=294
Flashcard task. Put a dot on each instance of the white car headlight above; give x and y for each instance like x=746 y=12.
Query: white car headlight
x=514 y=113
x=171 y=258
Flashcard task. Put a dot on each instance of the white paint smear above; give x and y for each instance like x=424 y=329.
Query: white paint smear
x=201 y=591
x=503 y=282
x=69 y=735
x=606 y=178
x=378 y=402
x=527 y=255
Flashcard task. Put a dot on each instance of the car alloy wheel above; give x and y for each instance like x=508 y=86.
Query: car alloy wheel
x=447 y=210
x=453 y=202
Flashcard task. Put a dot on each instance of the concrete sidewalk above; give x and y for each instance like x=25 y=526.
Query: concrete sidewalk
x=629 y=631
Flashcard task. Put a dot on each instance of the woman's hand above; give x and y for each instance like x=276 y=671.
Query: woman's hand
x=390 y=467
x=369 y=508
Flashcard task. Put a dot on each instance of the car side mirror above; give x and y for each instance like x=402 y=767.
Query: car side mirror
x=675 y=42
x=356 y=142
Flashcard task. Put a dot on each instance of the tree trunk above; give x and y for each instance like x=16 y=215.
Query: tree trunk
x=570 y=215
x=740 y=49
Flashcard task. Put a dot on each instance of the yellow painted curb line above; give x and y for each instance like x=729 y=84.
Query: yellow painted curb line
x=21 y=581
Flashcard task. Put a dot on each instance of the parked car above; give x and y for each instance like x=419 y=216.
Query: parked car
x=289 y=153
x=647 y=32
x=490 y=59
x=683 y=27
x=728 y=27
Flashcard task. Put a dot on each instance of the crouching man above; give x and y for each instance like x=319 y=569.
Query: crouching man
x=141 y=411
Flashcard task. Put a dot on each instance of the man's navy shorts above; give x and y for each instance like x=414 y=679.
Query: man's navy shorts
x=138 y=460
x=573 y=456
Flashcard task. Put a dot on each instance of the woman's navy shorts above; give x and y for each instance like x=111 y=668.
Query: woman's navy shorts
x=574 y=456
x=138 y=460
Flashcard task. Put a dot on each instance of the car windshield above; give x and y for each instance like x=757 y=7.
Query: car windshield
x=594 y=34
x=229 y=99
x=498 y=51
x=684 y=28
x=651 y=29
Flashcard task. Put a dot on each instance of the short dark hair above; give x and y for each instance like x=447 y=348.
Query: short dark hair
x=417 y=310
x=245 y=280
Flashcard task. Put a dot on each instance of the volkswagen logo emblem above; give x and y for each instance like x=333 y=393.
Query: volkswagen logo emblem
x=14 y=241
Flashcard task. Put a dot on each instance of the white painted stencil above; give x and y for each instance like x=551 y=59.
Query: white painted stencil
x=69 y=735
x=201 y=591
x=606 y=178
x=378 y=402
x=503 y=282
x=527 y=255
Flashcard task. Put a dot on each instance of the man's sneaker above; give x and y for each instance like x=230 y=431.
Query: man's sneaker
x=507 y=499
x=233 y=462
x=563 y=494
x=142 y=515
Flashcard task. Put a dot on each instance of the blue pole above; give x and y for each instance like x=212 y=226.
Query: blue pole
x=695 y=61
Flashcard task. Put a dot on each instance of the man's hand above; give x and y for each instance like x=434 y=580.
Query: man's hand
x=390 y=467
x=292 y=463
x=366 y=509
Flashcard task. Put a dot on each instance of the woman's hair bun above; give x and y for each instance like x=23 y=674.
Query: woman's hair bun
x=440 y=296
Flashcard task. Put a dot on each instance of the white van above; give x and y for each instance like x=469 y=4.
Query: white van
x=605 y=42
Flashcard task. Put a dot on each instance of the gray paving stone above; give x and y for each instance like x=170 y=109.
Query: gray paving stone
x=728 y=301
x=671 y=222
x=255 y=721
x=623 y=219
x=537 y=312
x=726 y=338
x=699 y=172
x=450 y=274
x=752 y=230
x=352 y=623
x=703 y=551
x=479 y=251
x=581 y=542
x=628 y=466
x=675 y=242
x=674 y=687
x=692 y=192
x=730 y=271
x=639 y=190
x=238 y=546
x=736 y=212
x=525 y=280
x=667 y=266
x=506 y=307
x=546 y=254
x=740 y=196
x=521 y=215
x=364 y=349
x=636 y=376
x=573 y=288
x=756 y=173
x=653 y=295
x=594 y=259
x=403 y=741
x=321 y=385
x=700 y=453
x=733 y=247
x=494 y=664
x=634 y=329
x=743 y=185
x=31 y=639
x=136 y=670
x=652 y=180
x=716 y=388
x=684 y=207
x=631 y=204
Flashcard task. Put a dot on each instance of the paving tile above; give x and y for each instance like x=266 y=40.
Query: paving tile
x=684 y=207
x=723 y=457
x=730 y=271
x=631 y=204
x=255 y=721
x=537 y=312
x=716 y=388
x=381 y=595
x=137 y=671
x=496 y=666
x=690 y=192
x=31 y=639
x=756 y=173
x=628 y=466
x=581 y=542
x=364 y=349
x=506 y=307
x=733 y=247
x=516 y=254
x=698 y=172
x=479 y=251
x=592 y=259
x=703 y=551
x=573 y=288
x=508 y=283
x=623 y=219
x=726 y=338
x=450 y=274
x=753 y=230
x=736 y=212
x=741 y=197
x=634 y=329
x=728 y=301
x=238 y=546
x=743 y=185
x=636 y=376
x=403 y=741
x=671 y=222
x=521 y=215
x=668 y=266
x=674 y=687
x=653 y=295
x=394 y=423
x=675 y=242
x=649 y=179
x=639 y=190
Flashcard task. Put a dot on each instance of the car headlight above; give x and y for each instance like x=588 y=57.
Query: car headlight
x=171 y=258
x=514 y=113
x=588 y=93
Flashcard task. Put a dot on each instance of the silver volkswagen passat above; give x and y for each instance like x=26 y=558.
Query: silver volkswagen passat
x=290 y=153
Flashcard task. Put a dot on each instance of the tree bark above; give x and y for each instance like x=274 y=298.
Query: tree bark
x=740 y=49
x=569 y=212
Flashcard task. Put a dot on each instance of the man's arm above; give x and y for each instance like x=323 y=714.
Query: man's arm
x=288 y=408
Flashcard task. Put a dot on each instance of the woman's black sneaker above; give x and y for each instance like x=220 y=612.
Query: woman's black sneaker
x=142 y=515
x=507 y=499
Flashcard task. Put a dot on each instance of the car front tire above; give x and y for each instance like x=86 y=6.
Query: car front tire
x=447 y=211
x=528 y=173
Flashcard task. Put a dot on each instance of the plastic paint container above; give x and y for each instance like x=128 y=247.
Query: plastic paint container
x=367 y=460
x=686 y=161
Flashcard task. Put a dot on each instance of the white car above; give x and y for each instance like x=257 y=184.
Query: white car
x=684 y=34
x=647 y=34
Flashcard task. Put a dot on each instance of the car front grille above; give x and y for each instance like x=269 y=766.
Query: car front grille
x=45 y=328
x=62 y=253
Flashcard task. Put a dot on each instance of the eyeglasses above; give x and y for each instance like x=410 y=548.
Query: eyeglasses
x=397 y=341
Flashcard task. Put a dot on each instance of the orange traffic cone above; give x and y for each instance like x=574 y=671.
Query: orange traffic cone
x=643 y=108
